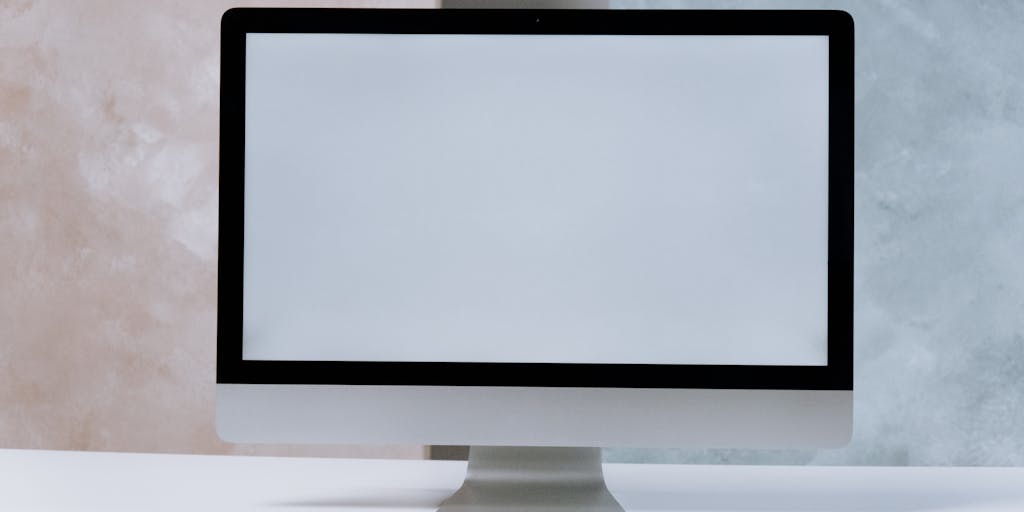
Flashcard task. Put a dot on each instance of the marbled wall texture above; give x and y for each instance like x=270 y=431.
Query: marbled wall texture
x=108 y=177
x=108 y=226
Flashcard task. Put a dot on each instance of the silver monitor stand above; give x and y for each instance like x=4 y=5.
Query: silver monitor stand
x=530 y=479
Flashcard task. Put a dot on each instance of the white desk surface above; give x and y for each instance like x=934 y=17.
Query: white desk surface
x=58 y=481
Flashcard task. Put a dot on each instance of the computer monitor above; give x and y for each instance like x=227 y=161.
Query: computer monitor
x=536 y=229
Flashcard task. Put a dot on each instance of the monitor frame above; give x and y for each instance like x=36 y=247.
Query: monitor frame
x=232 y=368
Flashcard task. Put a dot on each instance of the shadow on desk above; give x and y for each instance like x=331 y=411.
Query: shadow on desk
x=854 y=499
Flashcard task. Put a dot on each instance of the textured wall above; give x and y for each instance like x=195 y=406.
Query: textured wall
x=108 y=203
x=939 y=301
x=108 y=208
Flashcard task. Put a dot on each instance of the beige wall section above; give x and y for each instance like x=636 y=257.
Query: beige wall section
x=108 y=209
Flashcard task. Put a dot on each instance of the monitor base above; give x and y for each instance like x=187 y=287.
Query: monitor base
x=528 y=479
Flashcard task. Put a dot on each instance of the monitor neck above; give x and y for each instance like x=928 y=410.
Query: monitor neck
x=532 y=479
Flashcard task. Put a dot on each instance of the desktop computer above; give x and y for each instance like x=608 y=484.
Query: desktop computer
x=537 y=233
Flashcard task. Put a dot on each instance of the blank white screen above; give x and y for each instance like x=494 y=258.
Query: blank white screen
x=542 y=198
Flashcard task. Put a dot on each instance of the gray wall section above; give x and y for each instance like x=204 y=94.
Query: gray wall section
x=939 y=309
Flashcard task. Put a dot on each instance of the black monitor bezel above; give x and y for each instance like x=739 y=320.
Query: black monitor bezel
x=838 y=25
